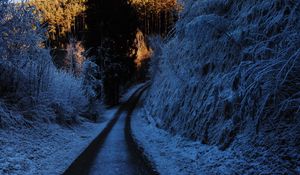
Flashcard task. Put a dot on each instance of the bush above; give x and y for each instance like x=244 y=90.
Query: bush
x=32 y=89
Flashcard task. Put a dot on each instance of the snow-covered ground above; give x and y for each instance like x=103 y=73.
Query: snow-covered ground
x=45 y=149
x=174 y=154
x=48 y=148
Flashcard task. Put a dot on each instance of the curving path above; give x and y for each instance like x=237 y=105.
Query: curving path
x=113 y=153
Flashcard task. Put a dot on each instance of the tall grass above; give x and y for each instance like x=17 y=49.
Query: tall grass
x=232 y=67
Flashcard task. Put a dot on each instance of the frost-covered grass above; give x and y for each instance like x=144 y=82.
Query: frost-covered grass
x=177 y=155
x=230 y=77
x=32 y=89
x=47 y=149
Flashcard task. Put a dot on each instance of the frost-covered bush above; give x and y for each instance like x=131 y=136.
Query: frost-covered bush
x=21 y=34
x=156 y=44
x=230 y=76
x=92 y=89
x=32 y=88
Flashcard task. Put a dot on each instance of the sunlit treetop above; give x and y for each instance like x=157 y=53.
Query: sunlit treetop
x=156 y=6
x=59 y=14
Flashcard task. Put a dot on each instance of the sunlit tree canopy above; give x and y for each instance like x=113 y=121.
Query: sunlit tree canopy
x=156 y=6
x=59 y=14
x=157 y=16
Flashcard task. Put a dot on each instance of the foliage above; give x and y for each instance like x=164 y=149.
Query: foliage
x=32 y=89
x=111 y=29
x=155 y=6
x=92 y=88
x=75 y=57
x=156 y=16
x=59 y=15
x=143 y=52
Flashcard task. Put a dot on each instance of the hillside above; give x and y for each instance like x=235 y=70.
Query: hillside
x=229 y=77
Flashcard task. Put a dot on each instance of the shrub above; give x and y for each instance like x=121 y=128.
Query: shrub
x=32 y=88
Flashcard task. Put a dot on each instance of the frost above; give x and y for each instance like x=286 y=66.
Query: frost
x=32 y=89
x=230 y=77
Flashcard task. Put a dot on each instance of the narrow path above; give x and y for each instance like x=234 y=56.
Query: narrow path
x=112 y=153
x=114 y=157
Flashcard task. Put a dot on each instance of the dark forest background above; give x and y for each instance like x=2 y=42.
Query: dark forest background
x=106 y=29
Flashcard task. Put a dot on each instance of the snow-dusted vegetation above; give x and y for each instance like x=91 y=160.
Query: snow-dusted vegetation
x=230 y=77
x=32 y=89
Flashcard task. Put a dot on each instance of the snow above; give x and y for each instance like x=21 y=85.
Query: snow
x=45 y=149
x=224 y=99
x=177 y=155
x=35 y=97
x=229 y=79
x=31 y=86
x=49 y=148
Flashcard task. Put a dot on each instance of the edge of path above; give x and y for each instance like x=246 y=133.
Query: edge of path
x=81 y=165
x=136 y=149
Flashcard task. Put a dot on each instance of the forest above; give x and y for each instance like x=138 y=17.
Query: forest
x=206 y=87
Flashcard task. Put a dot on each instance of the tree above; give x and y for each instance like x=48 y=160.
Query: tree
x=60 y=16
x=30 y=85
x=111 y=29
x=157 y=16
